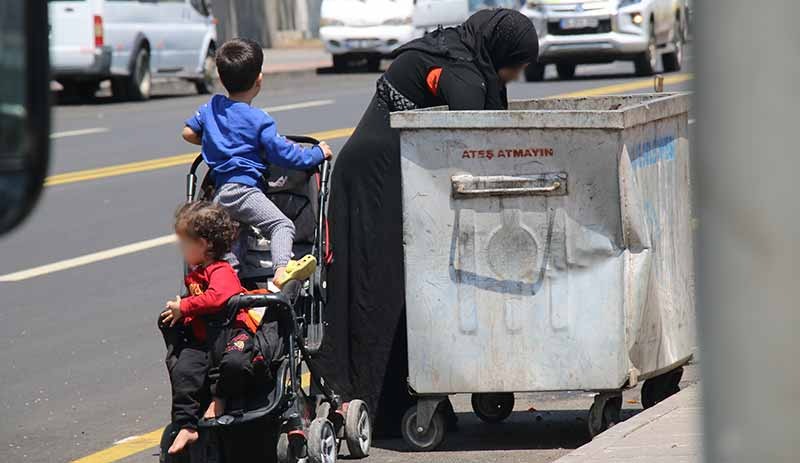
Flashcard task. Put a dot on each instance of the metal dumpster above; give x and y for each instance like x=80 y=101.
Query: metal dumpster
x=547 y=248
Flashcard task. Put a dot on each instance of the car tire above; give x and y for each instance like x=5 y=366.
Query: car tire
x=205 y=85
x=79 y=89
x=645 y=63
x=535 y=72
x=136 y=86
x=373 y=63
x=341 y=63
x=566 y=71
x=673 y=61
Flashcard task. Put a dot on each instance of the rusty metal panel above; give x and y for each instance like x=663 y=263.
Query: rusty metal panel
x=545 y=248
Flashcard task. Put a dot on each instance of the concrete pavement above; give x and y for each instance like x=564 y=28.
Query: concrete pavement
x=82 y=361
x=308 y=58
x=666 y=433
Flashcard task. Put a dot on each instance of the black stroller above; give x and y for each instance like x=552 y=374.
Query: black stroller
x=302 y=426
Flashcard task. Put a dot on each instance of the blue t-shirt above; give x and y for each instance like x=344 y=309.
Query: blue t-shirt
x=240 y=141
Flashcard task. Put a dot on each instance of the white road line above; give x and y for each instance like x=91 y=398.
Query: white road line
x=75 y=133
x=87 y=259
x=301 y=105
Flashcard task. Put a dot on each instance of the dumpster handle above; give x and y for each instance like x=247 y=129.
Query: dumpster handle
x=464 y=185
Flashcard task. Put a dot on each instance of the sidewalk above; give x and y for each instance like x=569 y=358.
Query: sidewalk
x=667 y=433
x=305 y=59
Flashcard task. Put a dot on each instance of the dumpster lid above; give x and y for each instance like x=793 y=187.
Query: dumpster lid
x=596 y=112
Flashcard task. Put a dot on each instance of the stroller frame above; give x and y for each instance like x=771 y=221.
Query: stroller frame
x=311 y=425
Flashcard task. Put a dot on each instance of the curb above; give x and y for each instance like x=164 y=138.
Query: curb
x=597 y=449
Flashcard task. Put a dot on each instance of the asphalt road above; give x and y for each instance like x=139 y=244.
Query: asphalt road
x=80 y=356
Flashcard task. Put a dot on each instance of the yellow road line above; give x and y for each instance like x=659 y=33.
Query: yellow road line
x=136 y=444
x=160 y=163
x=616 y=89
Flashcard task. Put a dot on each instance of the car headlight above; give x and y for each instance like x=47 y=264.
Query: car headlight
x=397 y=21
x=623 y=3
x=330 y=22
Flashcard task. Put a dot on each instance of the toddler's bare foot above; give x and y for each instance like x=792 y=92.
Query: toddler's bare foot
x=215 y=408
x=185 y=437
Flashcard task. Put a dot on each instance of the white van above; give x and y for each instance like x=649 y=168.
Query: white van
x=430 y=14
x=130 y=42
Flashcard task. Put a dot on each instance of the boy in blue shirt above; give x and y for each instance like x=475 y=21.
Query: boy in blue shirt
x=240 y=142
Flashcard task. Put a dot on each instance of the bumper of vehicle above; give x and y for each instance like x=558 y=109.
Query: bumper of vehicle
x=590 y=47
x=81 y=63
x=382 y=40
x=621 y=38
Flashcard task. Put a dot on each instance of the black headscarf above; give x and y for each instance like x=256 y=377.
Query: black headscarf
x=490 y=39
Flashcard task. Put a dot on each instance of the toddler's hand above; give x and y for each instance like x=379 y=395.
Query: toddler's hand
x=173 y=312
x=326 y=150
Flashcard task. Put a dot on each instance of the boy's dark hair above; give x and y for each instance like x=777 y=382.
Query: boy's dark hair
x=239 y=61
x=202 y=219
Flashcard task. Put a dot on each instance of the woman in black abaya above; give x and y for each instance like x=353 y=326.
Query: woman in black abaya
x=365 y=352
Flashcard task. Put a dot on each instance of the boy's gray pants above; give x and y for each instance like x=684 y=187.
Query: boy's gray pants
x=249 y=205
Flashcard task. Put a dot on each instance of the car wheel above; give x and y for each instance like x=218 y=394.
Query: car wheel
x=566 y=71
x=341 y=63
x=81 y=90
x=138 y=85
x=205 y=84
x=674 y=60
x=374 y=63
x=535 y=72
x=646 y=62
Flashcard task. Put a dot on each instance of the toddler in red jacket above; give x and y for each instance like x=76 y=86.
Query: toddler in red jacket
x=205 y=233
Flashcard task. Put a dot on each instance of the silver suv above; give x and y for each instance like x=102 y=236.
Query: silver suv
x=573 y=32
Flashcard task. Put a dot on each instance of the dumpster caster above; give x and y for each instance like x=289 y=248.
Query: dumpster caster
x=654 y=390
x=604 y=412
x=419 y=435
x=493 y=407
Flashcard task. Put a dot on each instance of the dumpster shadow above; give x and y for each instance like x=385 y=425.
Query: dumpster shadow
x=523 y=430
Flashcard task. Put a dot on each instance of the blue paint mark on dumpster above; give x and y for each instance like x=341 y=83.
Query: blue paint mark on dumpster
x=652 y=152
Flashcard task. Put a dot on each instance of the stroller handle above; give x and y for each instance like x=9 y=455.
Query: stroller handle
x=282 y=299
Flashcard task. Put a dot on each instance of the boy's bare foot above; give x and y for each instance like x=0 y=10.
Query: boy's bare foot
x=185 y=437
x=215 y=408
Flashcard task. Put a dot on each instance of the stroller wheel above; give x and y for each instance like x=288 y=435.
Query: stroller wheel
x=322 y=445
x=358 y=429
x=288 y=451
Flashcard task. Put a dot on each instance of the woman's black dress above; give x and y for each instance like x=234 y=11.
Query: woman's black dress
x=364 y=354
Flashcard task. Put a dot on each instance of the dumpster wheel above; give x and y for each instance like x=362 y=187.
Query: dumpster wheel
x=423 y=440
x=493 y=407
x=605 y=412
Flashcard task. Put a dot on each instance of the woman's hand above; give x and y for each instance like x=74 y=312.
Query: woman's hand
x=172 y=313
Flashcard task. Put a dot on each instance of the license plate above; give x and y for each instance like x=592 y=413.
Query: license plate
x=362 y=44
x=579 y=23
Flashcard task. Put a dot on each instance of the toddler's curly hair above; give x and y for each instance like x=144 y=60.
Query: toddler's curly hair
x=202 y=219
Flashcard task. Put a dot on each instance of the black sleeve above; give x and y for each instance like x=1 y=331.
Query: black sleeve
x=462 y=89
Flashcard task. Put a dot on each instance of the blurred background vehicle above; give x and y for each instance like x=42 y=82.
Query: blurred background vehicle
x=430 y=14
x=601 y=31
x=130 y=42
x=358 y=30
